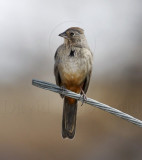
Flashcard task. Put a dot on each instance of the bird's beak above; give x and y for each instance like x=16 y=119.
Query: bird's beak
x=64 y=35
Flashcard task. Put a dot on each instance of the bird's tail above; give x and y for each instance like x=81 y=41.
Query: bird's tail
x=69 y=117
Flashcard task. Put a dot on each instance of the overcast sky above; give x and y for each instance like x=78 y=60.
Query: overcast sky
x=29 y=32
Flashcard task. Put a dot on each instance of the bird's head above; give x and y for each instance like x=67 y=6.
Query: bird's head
x=73 y=34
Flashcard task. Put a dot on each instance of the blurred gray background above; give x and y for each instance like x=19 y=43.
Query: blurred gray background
x=30 y=118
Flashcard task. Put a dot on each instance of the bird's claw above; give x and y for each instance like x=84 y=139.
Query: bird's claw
x=84 y=97
x=63 y=89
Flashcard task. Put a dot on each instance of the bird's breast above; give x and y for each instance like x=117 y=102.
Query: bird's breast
x=72 y=70
x=74 y=66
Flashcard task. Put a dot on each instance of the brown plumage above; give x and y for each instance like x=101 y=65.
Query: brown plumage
x=72 y=69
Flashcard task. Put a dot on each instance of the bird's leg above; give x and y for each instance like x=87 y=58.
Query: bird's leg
x=83 y=95
x=63 y=89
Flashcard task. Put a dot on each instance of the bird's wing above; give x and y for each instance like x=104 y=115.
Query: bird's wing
x=88 y=76
x=86 y=82
x=57 y=75
x=56 y=71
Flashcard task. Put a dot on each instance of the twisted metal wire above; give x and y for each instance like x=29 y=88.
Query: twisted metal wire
x=92 y=102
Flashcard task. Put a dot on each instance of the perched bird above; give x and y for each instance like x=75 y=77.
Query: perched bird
x=72 y=69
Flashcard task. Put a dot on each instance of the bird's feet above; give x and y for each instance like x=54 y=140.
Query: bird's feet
x=83 y=95
x=63 y=89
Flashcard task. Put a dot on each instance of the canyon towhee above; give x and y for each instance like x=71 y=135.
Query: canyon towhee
x=72 y=69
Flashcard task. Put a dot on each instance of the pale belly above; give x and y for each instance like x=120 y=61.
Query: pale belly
x=74 y=69
x=73 y=72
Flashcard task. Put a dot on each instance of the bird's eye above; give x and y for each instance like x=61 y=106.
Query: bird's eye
x=71 y=34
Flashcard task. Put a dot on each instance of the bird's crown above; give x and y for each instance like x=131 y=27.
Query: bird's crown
x=80 y=30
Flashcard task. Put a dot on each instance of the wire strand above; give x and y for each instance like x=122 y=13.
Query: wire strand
x=92 y=102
